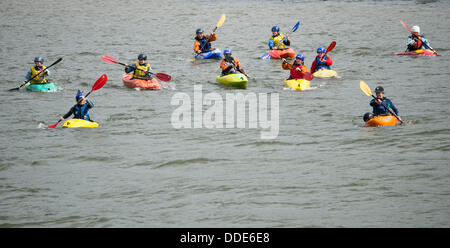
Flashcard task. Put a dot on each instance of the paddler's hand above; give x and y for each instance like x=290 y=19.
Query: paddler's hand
x=378 y=101
x=61 y=118
x=126 y=66
x=400 y=118
x=298 y=69
x=284 y=60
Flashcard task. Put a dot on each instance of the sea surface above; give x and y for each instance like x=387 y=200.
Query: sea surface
x=324 y=168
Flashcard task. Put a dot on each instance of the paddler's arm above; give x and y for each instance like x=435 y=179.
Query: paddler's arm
x=286 y=40
x=71 y=111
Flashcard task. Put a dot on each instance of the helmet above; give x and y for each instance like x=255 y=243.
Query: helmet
x=142 y=56
x=227 y=51
x=321 y=49
x=367 y=116
x=379 y=89
x=275 y=29
x=39 y=59
x=79 y=95
x=199 y=31
x=300 y=56
x=415 y=29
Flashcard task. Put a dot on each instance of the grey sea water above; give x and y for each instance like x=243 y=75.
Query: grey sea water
x=325 y=168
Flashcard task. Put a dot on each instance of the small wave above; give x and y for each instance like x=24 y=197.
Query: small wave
x=180 y=162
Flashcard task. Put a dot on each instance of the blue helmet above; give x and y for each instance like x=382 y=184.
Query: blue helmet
x=300 y=56
x=275 y=29
x=199 y=31
x=79 y=95
x=142 y=56
x=321 y=49
x=227 y=51
x=39 y=59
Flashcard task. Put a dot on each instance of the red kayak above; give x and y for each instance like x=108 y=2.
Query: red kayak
x=425 y=52
x=151 y=84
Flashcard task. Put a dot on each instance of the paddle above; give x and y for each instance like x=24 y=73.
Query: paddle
x=306 y=75
x=219 y=24
x=366 y=89
x=330 y=47
x=54 y=63
x=275 y=55
x=160 y=76
x=425 y=44
x=97 y=85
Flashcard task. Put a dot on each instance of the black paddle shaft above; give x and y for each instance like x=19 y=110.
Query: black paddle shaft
x=54 y=63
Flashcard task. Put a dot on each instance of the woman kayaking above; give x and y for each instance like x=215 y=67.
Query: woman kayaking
x=38 y=67
x=379 y=104
x=202 y=43
x=321 y=61
x=81 y=109
x=416 y=41
x=141 y=69
x=297 y=69
x=278 y=41
x=230 y=65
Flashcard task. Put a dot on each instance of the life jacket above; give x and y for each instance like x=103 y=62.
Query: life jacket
x=278 y=40
x=41 y=79
x=379 y=109
x=320 y=64
x=81 y=112
x=139 y=73
x=226 y=70
x=204 y=43
x=416 y=46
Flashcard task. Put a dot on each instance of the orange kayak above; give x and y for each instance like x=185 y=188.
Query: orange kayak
x=277 y=54
x=382 y=120
x=151 y=84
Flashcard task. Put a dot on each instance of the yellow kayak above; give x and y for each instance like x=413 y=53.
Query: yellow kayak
x=235 y=79
x=325 y=73
x=297 y=84
x=73 y=123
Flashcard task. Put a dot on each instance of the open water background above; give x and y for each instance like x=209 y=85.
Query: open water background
x=325 y=168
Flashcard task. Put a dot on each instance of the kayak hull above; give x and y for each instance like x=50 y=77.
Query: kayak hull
x=297 y=84
x=235 y=80
x=214 y=54
x=151 y=84
x=49 y=87
x=325 y=73
x=382 y=120
x=424 y=52
x=278 y=54
x=75 y=123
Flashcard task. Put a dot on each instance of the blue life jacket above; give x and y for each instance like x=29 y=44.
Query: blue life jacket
x=320 y=64
x=81 y=112
x=205 y=44
x=379 y=109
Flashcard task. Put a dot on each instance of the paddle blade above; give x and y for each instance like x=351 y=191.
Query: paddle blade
x=163 y=77
x=404 y=25
x=100 y=82
x=265 y=56
x=295 y=27
x=221 y=21
x=109 y=59
x=365 y=88
x=54 y=125
x=331 y=46
x=17 y=88
x=308 y=76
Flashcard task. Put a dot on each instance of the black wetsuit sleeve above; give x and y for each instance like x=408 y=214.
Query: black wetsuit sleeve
x=130 y=68
x=71 y=111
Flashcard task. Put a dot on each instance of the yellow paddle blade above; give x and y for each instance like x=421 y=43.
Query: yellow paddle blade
x=365 y=88
x=221 y=21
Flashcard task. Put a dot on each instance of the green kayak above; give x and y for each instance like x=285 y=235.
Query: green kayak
x=48 y=87
x=235 y=79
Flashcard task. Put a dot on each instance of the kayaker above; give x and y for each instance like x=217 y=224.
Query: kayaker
x=202 y=43
x=416 y=41
x=81 y=109
x=38 y=67
x=141 y=68
x=321 y=61
x=297 y=68
x=230 y=65
x=377 y=104
x=278 y=41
